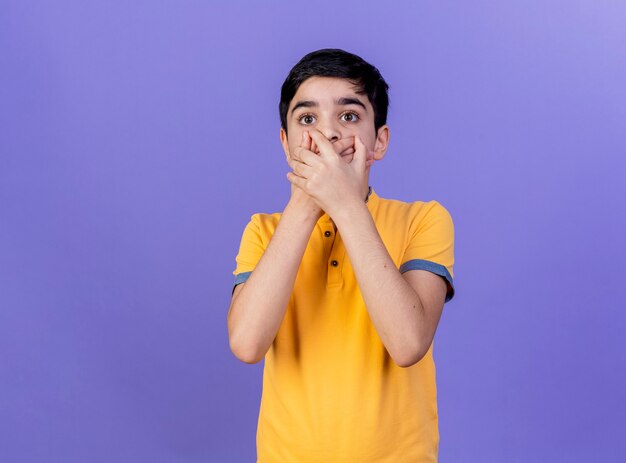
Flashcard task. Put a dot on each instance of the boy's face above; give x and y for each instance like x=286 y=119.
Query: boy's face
x=332 y=106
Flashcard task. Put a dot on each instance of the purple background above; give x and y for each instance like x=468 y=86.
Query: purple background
x=137 y=138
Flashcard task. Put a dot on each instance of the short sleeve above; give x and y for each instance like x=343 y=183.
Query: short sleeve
x=431 y=244
x=251 y=248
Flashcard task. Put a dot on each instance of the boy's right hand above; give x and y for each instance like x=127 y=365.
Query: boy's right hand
x=344 y=146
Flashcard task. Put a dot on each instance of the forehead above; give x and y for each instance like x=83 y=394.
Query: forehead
x=326 y=89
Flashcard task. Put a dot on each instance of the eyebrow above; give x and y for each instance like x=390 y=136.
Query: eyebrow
x=343 y=101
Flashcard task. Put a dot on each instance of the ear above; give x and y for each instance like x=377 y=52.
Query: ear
x=382 y=141
x=284 y=142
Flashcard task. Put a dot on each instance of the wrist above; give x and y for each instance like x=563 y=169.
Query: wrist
x=350 y=214
x=303 y=209
x=349 y=210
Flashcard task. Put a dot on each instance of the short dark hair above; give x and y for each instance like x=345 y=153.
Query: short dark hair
x=333 y=62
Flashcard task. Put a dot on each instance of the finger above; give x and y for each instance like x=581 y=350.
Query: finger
x=360 y=152
x=301 y=169
x=324 y=145
x=306 y=140
x=305 y=144
x=299 y=153
x=292 y=163
x=343 y=144
x=295 y=180
x=310 y=158
x=305 y=156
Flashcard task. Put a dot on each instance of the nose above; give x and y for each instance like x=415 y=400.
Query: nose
x=330 y=130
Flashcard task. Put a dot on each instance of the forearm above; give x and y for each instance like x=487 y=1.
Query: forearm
x=259 y=308
x=393 y=305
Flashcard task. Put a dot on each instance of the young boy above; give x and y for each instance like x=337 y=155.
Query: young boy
x=341 y=293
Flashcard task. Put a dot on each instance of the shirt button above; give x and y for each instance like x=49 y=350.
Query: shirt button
x=334 y=263
x=327 y=233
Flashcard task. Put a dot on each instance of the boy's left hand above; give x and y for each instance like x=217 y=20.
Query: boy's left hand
x=334 y=184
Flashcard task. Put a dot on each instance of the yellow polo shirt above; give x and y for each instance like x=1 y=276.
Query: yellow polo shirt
x=331 y=392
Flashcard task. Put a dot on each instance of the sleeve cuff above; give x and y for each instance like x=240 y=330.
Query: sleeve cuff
x=240 y=278
x=438 y=269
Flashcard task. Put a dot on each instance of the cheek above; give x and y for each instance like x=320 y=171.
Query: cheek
x=366 y=137
x=295 y=143
x=295 y=138
x=292 y=147
x=369 y=142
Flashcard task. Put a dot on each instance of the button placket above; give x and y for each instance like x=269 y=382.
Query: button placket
x=335 y=263
x=335 y=252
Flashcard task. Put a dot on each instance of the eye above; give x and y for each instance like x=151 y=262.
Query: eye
x=306 y=119
x=350 y=117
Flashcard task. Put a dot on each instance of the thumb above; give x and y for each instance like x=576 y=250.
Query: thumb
x=370 y=158
x=360 y=153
